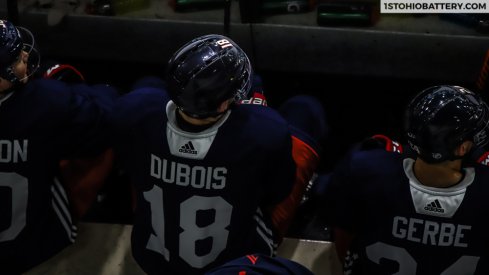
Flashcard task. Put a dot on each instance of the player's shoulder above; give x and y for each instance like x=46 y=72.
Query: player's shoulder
x=375 y=154
x=376 y=161
x=256 y=111
x=43 y=95
x=481 y=168
x=260 y=115
x=140 y=103
x=47 y=88
x=143 y=98
x=44 y=89
x=264 y=124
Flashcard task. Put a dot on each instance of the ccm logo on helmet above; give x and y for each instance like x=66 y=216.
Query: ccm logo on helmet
x=224 y=43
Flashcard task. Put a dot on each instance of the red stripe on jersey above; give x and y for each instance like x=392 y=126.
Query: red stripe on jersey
x=83 y=178
x=306 y=160
x=256 y=99
x=484 y=159
x=60 y=68
x=252 y=258
x=390 y=145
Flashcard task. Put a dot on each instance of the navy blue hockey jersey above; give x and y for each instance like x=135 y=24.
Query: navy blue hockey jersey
x=259 y=264
x=403 y=227
x=41 y=124
x=201 y=197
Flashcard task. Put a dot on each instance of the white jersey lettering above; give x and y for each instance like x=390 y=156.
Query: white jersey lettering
x=430 y=232
x=13 y=151
x=184 y=175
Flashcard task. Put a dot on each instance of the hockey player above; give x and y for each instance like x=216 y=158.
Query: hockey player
x=209 y=173
x=421 y=211
x=42 y=122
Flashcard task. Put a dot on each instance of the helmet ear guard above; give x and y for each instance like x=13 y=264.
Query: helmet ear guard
x=34 y=58
x=441 y=118
x=205 y=72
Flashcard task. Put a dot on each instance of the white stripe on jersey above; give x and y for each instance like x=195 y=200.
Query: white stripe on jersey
x=61 y=199
x=61 y=191
x=259 y=218
x=265 y=232
x=60 y=206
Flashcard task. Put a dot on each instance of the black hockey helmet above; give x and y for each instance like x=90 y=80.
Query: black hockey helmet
x=440 y=118
x=207 y=71
x=12 y=41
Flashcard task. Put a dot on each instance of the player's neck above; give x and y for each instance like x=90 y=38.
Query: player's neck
x=194 y=125
x=199 y=121
x=440 y=175
x=223 y=107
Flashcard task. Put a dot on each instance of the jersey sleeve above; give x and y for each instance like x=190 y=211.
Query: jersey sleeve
x=342 y=201
x=86 y=131
x=85 y=143
x=83 y=178
x=306 y=160
x=281 y=171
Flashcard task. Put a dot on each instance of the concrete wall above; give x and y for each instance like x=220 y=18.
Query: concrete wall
x=400 y=47
x=104 y=249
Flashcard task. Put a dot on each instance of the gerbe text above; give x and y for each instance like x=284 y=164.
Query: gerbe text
x=430 y=232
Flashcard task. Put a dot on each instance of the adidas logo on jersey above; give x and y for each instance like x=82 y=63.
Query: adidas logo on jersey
x=188 y=148
x=434 y=206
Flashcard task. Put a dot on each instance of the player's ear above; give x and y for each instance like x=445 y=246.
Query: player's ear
x=224 y=106
x=464 y=148
x=25 y=56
